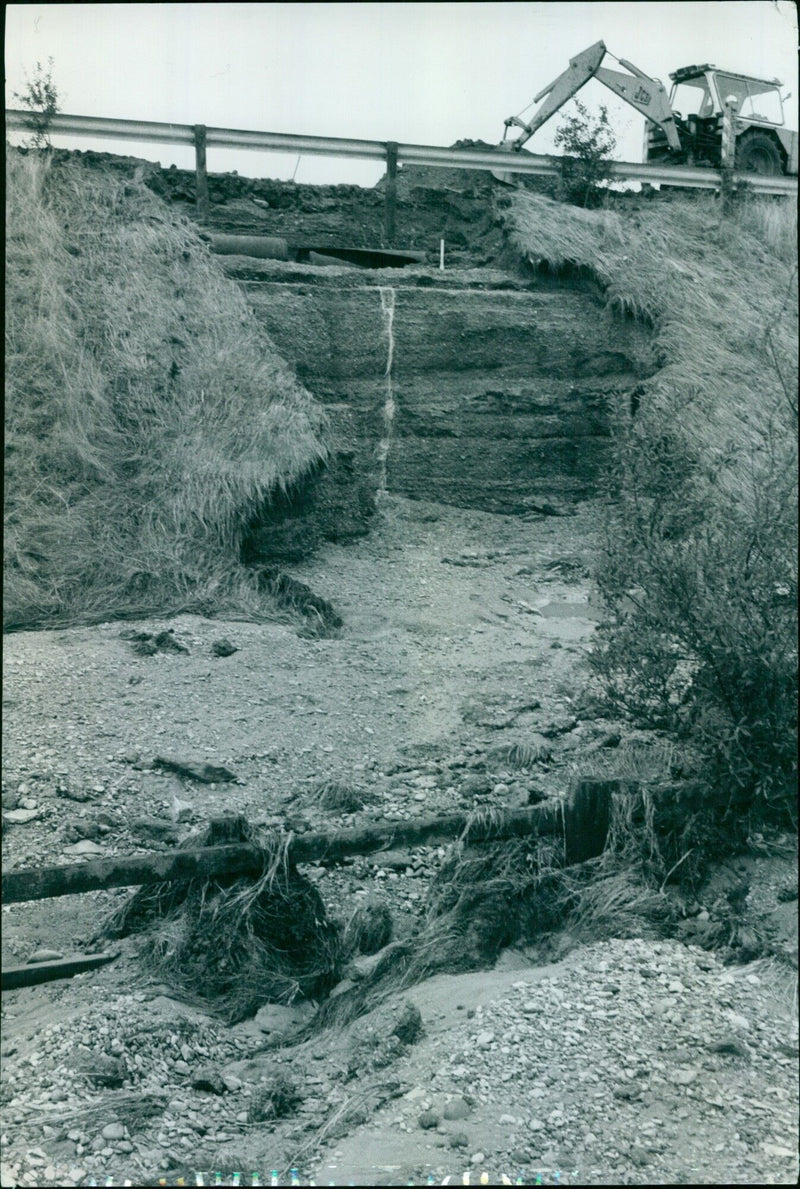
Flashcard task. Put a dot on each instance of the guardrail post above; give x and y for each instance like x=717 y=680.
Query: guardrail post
x=201 y=184
x=391 y=192
x=728 y=155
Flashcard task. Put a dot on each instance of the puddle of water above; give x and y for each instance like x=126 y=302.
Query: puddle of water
x=571 y=611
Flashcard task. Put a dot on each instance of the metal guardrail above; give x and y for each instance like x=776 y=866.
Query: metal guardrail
x=392 y=152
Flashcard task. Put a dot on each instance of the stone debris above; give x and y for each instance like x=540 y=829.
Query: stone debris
x=19 y=817
x=223 y=647
x=45 y=956
x=196 y=770
x=276 y=1020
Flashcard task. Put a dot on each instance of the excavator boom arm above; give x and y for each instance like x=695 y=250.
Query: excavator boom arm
x=580 y=70
x=646 y=94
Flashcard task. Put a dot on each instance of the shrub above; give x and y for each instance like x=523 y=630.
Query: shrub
x=699 y=567
x=41 y=98
x=588 y=144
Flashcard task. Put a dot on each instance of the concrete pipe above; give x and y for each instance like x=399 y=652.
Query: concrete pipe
x=264 y=247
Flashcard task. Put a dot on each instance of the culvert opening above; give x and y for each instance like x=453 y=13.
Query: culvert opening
x=359 y=257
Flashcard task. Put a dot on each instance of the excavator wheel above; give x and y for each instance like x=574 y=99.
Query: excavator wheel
x=758 y=153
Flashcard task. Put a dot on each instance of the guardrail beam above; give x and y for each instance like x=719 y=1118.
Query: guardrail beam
x=330 y=146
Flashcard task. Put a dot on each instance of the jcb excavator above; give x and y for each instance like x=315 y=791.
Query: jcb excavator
x=686 y=127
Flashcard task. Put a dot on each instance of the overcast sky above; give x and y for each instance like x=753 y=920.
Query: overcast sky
x=416 y=73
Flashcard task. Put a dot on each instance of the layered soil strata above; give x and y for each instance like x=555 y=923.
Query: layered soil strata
x=503 y=392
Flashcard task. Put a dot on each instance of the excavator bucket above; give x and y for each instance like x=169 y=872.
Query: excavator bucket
x=502 y=175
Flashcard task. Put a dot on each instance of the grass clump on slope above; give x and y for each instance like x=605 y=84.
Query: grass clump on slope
x=700 y=563
x=147 y=415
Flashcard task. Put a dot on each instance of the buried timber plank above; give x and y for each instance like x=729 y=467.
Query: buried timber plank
x=583 y=819
x=45 y=972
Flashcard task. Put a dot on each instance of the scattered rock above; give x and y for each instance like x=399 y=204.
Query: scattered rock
x=364 y=966
x=113 y=1131
x=223 y=647
x=45 y=956
x=459 y=1139
x=731 y=1046
x=395 y=860
x=66 y=790
x=153 y=829
x=100 y=1069
x=428 y=1120
x=457 y=1108
x=409 y=1027
x=19 y=817
x=207 y=773
x=210 y=1080
x=81 y=827
x=86 y=847
x=476 y=786
x=277 y=1020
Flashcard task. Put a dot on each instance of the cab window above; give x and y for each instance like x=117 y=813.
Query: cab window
x=755 y=101
x=692 y=98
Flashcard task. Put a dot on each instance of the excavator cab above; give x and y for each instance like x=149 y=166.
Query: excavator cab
x=704 y=90
x=698 y=98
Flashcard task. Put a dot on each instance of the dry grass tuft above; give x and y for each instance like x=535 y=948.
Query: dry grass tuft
x=338 y=797
x=276 y=1099
x=369 y=929
x=148 y=417
x=235 y=944
x=525 y=755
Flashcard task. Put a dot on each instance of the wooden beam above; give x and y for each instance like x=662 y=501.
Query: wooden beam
x=583 y=818
x=46 y=972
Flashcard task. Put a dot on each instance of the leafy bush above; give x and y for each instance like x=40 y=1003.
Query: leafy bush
x=699 y=569
x=700 y=573
x=588 y=144
x=41 y=98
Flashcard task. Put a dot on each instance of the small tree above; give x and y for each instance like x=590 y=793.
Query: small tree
x=588 y=144
x=41 y=98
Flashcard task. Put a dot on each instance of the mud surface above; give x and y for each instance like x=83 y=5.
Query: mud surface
x=464 y=633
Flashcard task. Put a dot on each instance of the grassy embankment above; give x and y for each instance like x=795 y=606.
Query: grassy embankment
x=700 y=563
x=147 y=415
